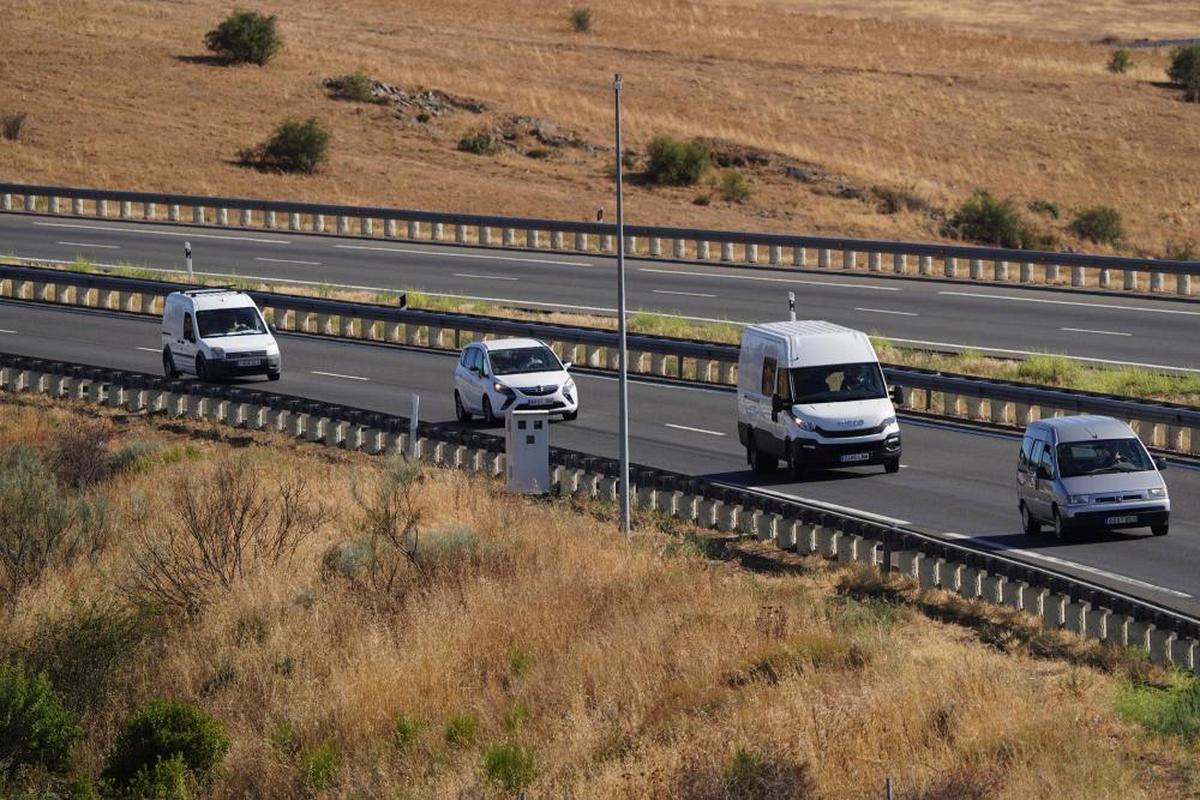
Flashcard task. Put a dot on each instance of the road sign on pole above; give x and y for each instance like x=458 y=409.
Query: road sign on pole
x=187 y=254
x=792 y=306
x=623 y=374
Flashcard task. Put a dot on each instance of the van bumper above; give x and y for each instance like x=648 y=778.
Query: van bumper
x=229 y=368
x=1107 y=519
x=811 y=453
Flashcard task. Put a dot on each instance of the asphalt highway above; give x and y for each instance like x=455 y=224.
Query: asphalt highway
x=956 y=481
x=1002 y=319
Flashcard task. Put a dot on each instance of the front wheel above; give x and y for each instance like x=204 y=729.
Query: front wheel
x=201 y=368
x=489 y=417
x=1159 y=530
x=891 y=466
x=758 y=461
x=1060 y=526
x=571 y=416
x=274 y=376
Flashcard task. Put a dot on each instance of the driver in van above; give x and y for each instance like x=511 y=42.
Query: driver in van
x=1109 y=456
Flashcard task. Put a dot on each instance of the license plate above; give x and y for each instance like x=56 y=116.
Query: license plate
x=540 y=401
x=850 y=457
x=249 y=362
x=1120 y=520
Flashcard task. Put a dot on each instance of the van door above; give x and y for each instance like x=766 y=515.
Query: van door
x=185 y=347
x=1025 y=469
x=770 y=426
x=1043 y=486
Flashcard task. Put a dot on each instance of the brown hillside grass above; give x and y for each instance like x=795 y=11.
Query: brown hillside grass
x=635 y=669
x=119 y=94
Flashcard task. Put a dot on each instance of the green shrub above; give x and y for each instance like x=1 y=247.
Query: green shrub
x=516 y=715
x=1184 y=71
x=1049 y=370
x=161 y=731
x=675 y=163
x=1098 y=224
x=893 y=200
x=1173 y=710
x=461 y=730
x=1119 y=62
x=519 y=661
x=446 y=549
x=35 y=729
x=318 y=766
x=702 y=200
x=406 y=730
x=11 y=125
x=293 y=147
x=357 y=86
x=166 y=779
x=1046 y=208
x=245 y=37
x=581 y=19
x=509 y=765
x=734 y=187
x=749 y=775
x=990 y=220
x=82 y=789
x=481 y=143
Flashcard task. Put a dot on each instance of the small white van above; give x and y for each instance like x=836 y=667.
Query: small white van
x=217 y=333
x=812 y=394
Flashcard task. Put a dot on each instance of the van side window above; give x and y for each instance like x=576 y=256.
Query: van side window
x=1036 y=454
x=1026 y=452
x=768 y=376
x=187 y=327
x=783 y=385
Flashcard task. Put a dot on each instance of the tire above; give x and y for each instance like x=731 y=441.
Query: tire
x=571 y=416
x=274 y=376
x=891 y=466
x=460 y=411
x=169 y=370
x=1060 y=526
x=759 y=463
x=489 y=417
x=1160 y=530
x=795 y=467
x=1031 y=526
x=201 y=368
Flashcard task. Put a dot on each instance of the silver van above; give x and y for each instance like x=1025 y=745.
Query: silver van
x=1089 y=473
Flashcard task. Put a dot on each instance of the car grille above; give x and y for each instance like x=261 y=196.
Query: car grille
x=846 y=434
x=538 y=391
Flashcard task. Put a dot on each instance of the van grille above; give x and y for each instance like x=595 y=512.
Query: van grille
x=247 y=354
x=846 y=434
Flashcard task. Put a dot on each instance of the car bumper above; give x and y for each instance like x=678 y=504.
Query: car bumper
x=558 y=403
x=812 y=453
x=1117 y=518
x=230 y=368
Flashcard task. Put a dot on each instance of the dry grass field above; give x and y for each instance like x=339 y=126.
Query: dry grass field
x=936 y=98
x=610 y=669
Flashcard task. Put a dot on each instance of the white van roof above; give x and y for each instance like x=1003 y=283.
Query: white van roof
x=814 y=341
x=1082 y=427
x=205 y=299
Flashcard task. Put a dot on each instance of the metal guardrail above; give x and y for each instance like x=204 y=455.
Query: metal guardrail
x=1165 y=426
x=1061 y=600
x=1034 y=267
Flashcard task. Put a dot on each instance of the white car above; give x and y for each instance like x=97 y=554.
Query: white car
x=493 y=378
x=217 y=333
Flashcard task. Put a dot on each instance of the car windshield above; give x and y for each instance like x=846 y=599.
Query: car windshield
x=1102 y=456
x=229 y=322
x=524 y=359
x=837 y=383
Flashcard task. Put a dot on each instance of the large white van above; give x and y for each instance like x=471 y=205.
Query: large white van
x=812 y=393
x=216 y=333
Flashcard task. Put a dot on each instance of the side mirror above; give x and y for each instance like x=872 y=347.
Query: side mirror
x=1160 y=462
x=897 y=395
x=568 y=364
x=271 y=327
x=778 y=403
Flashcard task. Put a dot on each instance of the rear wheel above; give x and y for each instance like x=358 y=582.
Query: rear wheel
x=891 y=466
x=460 y=411
x=1032 y=526
x=489 y=417
x=169 y=365
x=1060 y=526
x=1159 y=530
x=759 y=461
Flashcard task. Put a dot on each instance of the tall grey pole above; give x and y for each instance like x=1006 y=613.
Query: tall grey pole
x=623 y=374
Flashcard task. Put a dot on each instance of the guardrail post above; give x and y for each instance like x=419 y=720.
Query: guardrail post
x=556 y=240
x=485 y=236
x=439 y=232
x=976 y=269
x=77 y=206
x=727 y=251
x=102 y=208
x=272 y=221
x=951 y=267
x=1052 y=271
x=875 y=262
x=655 y=247
x=581 y=240
x=1026 y=272
x=899 y=263
x=294 y=221
x=126 y=209
x=52 y=204
x=680 y=249
x=1131 y=279
x=149 y=211
x=366 y=226
x=1078 y=276
x=776 y=255
x=172 y=212
x=631 y=246
x=1156 y=281
x=1105 y=279
x=1183 y=285
x=414 y=229
x=223 y=217
x=510 y=237
x=926 y=265
x=702 y=251
x=1001 y=271
x=389 y=228
x=343 y=224
x=318 y=223
x=799 y=257
x=6 y=201
x=849 y=259
x=460 y=235
x=246 y=219
x=752 y=253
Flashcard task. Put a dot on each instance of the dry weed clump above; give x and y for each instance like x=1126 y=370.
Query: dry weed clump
x=523 y=645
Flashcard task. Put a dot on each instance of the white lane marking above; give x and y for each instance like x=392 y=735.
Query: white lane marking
x=1110 y=306
x=887 y=311
x=858 y=512
x=1100 y=333
x=4 y=331
x=90 y=244
x=1062 y=562
x=985 y=349
x=148 y=349
x=684 y=294
x=144 y=232
x=693 y=430
x=484 y=277
x=290 y=261
x=339 y=375
x=464 y=255
x=771 y=280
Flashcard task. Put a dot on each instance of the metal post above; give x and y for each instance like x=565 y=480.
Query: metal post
x=623 y=374
x=412 y=427
x=792 y=306
x=888 y=786
x=187 y=254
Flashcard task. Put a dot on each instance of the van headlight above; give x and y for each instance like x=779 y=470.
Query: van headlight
x=1077 y=500
x=1159 y=492
x=803 y=424
x=218 y=352
x=888 y=422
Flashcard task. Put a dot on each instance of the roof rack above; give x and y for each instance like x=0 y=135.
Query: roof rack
x=210 y=290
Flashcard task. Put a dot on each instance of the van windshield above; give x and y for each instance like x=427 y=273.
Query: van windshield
x=1102 y=456
x=524 y=359
x=229 y=322
x=837 y=383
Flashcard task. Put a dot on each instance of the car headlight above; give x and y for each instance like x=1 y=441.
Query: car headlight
x=888 y=422
x=502 y=389
x=803 y=424
x=218 y=352
x=1158 y=491
x=1077 y=500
